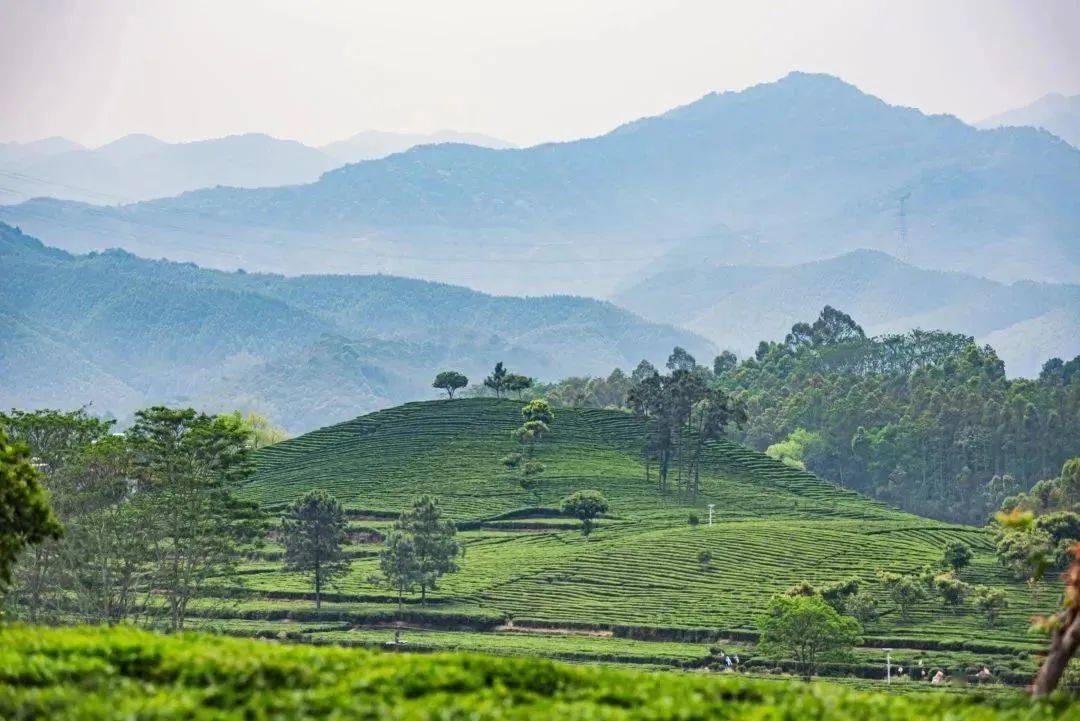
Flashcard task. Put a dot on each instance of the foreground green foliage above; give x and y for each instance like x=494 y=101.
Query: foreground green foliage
x=97 y=674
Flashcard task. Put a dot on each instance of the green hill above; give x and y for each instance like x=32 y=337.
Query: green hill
x=639 y=574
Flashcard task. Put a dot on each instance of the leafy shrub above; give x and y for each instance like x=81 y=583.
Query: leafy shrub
x=100 y=674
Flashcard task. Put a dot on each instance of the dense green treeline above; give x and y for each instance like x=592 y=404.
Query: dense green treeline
x=926 y=420
x=149 y=517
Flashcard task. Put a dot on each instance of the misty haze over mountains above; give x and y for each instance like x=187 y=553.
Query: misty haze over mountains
x=799 y=170
x=1055 y=113
x=717 y=225
x=738 y=306
x=141 y=167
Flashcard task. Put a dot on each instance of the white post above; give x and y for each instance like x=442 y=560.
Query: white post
x=711 y=507
x=888 y=666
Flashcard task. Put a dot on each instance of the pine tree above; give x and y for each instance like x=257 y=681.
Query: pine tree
x=398 y=563
x=434 y=541
x=314 y=530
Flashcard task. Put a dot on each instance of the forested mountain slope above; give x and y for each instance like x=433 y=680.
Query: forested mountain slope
x=796 y=170
x=737 y=306
x=122 y=332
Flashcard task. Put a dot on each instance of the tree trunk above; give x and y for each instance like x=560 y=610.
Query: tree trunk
x=318 y=586
x=1063 y=646
x=1065 y=639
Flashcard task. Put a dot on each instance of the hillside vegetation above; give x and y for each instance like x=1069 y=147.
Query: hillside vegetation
x=124 y=332
x=95 y=674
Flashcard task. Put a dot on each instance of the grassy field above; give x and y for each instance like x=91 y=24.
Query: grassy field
x=95 y=674
x=638 y=576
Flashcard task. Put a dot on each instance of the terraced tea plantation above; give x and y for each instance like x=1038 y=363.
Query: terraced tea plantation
x=635 y=591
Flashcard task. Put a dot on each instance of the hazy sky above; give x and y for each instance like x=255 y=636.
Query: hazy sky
x=319 y=71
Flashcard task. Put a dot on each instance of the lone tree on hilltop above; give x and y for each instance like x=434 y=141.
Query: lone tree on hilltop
x=450 y=381
x=25 y=515
x=497 y=380
x=433 y=538
x=585 y=506
x=314 y=530
x=807 y=629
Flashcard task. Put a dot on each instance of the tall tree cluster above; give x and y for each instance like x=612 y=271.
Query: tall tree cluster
x=926 y=420
x=684 y=410
x=420 y=549
x=150 y=516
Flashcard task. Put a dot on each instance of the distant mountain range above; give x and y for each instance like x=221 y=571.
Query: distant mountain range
x=1056 y=113
x=737 y=306
x=123 y=332
x=374 y=144
x=141 y=167
x=787 y=172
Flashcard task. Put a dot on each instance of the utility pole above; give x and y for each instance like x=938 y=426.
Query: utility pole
x=711 y=507
x=888 y=666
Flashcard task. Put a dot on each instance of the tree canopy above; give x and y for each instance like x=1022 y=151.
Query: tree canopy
x=586 y=506
x=313 y=530
x=806 y=629
x=450 y=381
x=25 y=515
